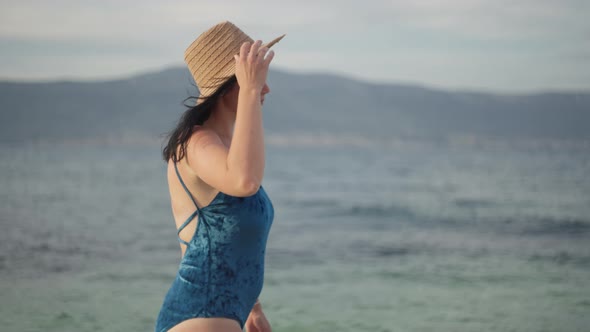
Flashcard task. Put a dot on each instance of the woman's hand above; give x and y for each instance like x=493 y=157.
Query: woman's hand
x=252 y=66
x=257 y=321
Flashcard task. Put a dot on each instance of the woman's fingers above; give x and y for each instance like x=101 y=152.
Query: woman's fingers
x=252 y=64
x=244 y=50
x=254 y=50
x=269 y=57
x=261 y=53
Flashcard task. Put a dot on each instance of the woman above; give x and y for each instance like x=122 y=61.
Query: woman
x=215 y=159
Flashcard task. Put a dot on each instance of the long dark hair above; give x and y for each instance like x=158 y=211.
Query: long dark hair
x=194 y=115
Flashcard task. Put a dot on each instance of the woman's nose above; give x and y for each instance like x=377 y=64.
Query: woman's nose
x=265 y=89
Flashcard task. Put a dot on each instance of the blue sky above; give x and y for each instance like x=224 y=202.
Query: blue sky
x=500 y=46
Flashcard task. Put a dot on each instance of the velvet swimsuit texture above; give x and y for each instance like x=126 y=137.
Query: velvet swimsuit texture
x=222 y=271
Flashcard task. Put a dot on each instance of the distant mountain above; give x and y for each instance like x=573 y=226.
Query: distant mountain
x=148 y=105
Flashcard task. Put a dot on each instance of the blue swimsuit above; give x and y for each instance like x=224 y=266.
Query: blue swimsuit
x=222 y=271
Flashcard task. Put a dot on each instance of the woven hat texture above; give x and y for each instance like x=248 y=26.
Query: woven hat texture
x=210 y=57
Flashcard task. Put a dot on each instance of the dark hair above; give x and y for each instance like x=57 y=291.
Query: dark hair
x=194 y=115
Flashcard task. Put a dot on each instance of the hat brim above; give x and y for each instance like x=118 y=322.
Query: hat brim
x=209 y=92
x=274 y=41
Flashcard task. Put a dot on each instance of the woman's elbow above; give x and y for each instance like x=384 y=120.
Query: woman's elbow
x=249 y=187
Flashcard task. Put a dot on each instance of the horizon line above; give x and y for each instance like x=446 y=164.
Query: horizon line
x=127 y=76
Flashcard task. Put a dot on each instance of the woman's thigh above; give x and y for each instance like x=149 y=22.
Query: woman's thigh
x=208 y=324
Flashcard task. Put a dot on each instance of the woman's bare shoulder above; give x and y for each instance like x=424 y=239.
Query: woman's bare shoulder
x=203 y=136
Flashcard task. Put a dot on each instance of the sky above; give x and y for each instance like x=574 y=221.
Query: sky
x=516 y=46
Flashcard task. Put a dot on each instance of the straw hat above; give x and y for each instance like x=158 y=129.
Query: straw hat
x=210 y=58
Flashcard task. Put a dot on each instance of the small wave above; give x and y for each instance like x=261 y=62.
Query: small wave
x=312 y=203
x=160 y=246
x=129 y=277
x=278 y=256
x=64 y=316
x=376 y=210
x=473 y=203
x=551 y=226
x=59 y=249
x=562 y=258
x=391 y=251
x=383 y=250
x=122 y=276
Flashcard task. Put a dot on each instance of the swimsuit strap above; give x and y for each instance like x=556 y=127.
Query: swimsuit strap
x=184 y=186
x=192 y=216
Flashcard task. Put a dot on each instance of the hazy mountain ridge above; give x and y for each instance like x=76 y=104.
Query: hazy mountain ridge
x=148 y=105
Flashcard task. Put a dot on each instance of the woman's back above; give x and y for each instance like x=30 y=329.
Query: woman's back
x=181 y=204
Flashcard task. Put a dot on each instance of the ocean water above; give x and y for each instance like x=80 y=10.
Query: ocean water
x=409 y=238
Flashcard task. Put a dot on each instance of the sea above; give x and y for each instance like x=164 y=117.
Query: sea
x=381 y=238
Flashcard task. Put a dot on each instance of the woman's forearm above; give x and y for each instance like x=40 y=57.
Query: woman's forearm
x=246 y=153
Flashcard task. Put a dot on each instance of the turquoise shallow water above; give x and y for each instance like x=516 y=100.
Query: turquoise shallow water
x=415 y=239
